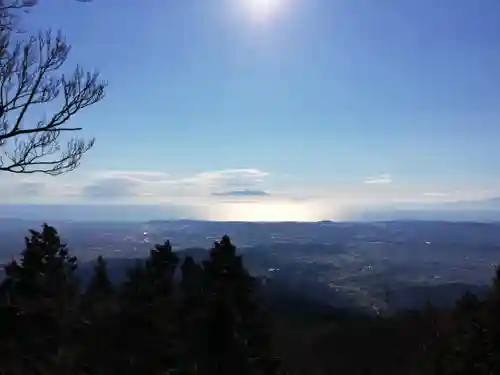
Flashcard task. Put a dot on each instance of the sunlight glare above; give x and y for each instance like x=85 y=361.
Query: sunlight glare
x=268 y=211
x=262 y=10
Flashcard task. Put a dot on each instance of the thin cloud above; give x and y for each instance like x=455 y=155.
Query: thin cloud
x=242 y=193
x=151 y=185
x=379 y=180
x=435 y=194
x=23 y=188
x=231 y=177
x=32 y=188
x=111 y=188
x=137 y=175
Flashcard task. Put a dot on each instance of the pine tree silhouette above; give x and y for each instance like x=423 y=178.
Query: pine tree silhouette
x=161 y=267
x=99 y=309
x=98 y=296
x=146 y=331
x=208 y=323
x=236 y=338
x=43 y=293
x=192 y=316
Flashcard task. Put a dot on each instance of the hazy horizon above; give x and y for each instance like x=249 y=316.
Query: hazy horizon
x=279 y=109
x=480 y=211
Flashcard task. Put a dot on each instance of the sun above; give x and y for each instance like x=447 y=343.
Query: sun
x=262 y=10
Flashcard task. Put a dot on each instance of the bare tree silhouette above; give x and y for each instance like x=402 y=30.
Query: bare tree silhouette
x=28 y=78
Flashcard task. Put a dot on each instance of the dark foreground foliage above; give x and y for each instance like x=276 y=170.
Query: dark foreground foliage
x=212 y=321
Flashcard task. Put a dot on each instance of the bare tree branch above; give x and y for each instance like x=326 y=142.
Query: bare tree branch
x=29 y=79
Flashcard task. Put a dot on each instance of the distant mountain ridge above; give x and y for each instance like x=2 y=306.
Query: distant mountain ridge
x=485 y=210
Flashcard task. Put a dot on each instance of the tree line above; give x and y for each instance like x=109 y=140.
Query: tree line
x=182 y=317
x=208 y=322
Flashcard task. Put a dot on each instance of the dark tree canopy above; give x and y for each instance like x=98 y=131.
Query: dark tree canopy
x=176 y=316
x=153 y=323
x=39 y=299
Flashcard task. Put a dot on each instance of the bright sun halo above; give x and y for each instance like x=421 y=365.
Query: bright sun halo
x=263 y=9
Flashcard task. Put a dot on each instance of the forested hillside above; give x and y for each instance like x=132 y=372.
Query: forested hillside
x=217 y=319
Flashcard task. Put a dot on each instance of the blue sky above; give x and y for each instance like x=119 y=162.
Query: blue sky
x=315 y=101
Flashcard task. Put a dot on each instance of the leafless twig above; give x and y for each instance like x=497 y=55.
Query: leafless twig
x=28 y=79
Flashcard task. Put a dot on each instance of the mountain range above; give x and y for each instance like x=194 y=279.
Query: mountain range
x=486 y=210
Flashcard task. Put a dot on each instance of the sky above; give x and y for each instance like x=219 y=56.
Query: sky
x=279 y=109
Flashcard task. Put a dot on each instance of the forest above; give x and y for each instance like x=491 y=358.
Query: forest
x=173 y=316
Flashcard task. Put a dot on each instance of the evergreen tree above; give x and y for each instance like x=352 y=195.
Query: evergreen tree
x=236 y=339
x=100 y=290
x=209 y=323
x=135 y=291
x=474 y=342
x=467 y=354
x=42 y=293
x=191 y=315
x=99 y=311
x=161 y=267
x=146 y=331
x=44 y=278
